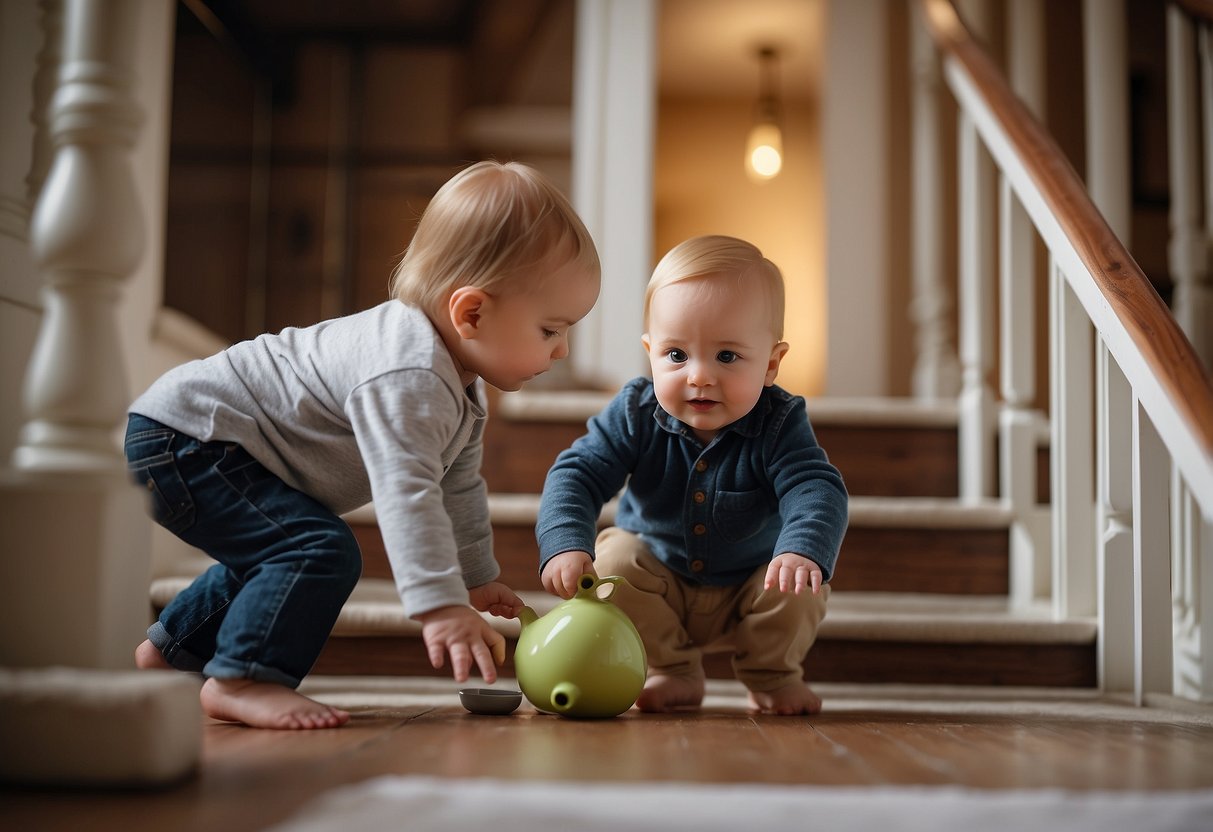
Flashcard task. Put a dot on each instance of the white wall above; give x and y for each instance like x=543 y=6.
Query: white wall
x=854 y=135
x=614 y=103
x=783 y=216
x=614 y=88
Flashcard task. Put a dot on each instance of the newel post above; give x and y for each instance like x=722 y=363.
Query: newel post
x=86 y=237
x=74 y=533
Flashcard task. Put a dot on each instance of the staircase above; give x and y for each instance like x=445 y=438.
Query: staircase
x=920 y=593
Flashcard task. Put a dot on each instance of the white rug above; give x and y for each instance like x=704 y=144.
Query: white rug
x=422 y=804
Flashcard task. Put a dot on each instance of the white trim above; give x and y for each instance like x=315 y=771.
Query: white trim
x=855 y=132
x=614 y=116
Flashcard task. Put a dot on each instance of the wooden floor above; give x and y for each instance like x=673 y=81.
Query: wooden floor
x=981 y=738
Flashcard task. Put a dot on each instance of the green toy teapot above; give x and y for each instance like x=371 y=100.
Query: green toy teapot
x=584 y=658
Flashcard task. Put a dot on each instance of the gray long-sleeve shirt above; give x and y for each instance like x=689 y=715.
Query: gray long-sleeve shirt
x=368 y=406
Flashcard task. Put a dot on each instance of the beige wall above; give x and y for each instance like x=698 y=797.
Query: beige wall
x=701 y=188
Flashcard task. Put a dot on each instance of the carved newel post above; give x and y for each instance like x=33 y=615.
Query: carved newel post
x=76 y=557
x=86 y=237
x=74 y=533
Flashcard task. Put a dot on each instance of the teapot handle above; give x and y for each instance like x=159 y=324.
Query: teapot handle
x=605 y=588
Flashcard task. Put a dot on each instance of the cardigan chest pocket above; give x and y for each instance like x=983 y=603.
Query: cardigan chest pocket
x=739 y=515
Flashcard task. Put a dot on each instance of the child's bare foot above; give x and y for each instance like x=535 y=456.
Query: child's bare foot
x=664 y=693
x=266 y=705
x=789 y=700
x=149 y=657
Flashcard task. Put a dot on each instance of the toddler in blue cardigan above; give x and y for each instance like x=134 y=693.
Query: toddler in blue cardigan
x=729 y=527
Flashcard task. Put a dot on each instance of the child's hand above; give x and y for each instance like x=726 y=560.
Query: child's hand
x=560 y=574
x=793 y=572
x=496 y=598
x=460 y=631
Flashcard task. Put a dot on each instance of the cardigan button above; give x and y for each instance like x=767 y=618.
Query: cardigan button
x=701 y=466
x=699 y=529
x=699 y=497
x=696 y=566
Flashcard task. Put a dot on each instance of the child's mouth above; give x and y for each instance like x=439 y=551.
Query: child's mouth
x=701 y=405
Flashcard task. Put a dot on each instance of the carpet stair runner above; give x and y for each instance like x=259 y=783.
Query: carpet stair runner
x=919 y=596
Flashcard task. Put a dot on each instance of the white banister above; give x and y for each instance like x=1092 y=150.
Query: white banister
x=1190 y=249
x=1192 y=559
x=1071 y=451
x=936 y=373
x=977 y=416
x=1184 y=446
x=1114 y=564
x=1131 y=410
x=1029 y=534
x=1196 y=664
x=1151 y=562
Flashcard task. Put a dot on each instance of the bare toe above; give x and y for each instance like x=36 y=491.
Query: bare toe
x=790 y=700
x=266 y=705
x=666 y=693
x=149 y=657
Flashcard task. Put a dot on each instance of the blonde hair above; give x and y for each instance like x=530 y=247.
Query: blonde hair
x=717 y=256
x=491 y=224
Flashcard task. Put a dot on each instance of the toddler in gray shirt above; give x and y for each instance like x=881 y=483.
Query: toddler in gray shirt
x=252 y=454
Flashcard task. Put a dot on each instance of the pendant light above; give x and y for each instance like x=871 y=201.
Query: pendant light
x=764 y=147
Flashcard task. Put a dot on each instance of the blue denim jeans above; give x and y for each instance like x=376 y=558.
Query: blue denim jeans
x=286 y=563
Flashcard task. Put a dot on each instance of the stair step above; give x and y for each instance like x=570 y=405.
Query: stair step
x=865 y=638
x=892 y=544
x=920 y=595
x=884 y=447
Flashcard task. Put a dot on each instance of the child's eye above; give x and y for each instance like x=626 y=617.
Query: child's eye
x=727 y=356
x=550 y=333
x=677 y=356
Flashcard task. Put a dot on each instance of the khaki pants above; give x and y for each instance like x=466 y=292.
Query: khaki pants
x=769 y=633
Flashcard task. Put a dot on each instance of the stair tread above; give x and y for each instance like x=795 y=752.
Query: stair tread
x=912 y=512
x=580 y=405
x=375 y=609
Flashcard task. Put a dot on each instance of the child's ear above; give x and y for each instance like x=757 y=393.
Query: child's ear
x=644 y=340
x=777 y=354
x=466 y=306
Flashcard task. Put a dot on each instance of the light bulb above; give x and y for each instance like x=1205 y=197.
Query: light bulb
x=764 y=151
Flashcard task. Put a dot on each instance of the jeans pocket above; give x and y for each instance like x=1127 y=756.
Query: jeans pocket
x=153 y=465
x=240 y=470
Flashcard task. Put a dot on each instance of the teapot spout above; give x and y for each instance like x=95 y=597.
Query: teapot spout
x=527 y=617
x=565 y=696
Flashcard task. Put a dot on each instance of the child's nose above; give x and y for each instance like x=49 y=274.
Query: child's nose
x=699 y=373
x=562 y=348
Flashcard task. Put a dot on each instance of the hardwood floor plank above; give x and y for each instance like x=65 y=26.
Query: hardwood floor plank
x=251 y=779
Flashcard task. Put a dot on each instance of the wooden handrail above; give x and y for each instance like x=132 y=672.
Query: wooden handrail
x=1127 y=290
x=1200 y=9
